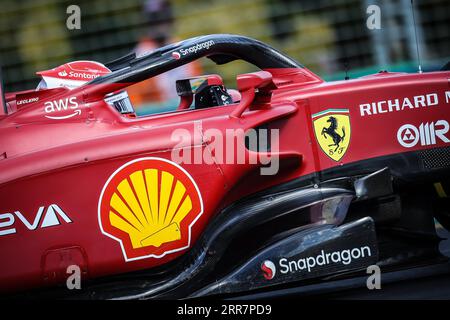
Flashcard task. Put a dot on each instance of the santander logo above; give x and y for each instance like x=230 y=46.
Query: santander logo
x=79 y=75
x=268 y=269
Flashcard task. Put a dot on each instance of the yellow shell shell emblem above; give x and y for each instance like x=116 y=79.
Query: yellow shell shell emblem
x=332 y=130
x=149 y=206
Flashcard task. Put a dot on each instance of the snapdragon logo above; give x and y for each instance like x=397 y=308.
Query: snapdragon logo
x=199 y=46
x=345 y=257
x=269 y=270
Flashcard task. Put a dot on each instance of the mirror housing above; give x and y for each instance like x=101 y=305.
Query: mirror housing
x=247 y=85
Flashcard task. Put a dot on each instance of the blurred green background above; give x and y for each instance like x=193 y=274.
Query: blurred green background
x=326 y=36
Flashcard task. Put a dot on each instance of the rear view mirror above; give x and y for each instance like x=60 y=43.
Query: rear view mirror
x=187 y=88
x=247 y=85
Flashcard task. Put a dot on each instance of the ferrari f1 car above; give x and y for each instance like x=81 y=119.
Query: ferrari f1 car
x=288 y=180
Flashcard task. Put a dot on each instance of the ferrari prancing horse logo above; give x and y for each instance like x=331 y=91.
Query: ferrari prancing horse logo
x=332 y=130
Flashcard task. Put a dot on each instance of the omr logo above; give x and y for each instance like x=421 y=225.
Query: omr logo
x=426 y=134
x=269 y=270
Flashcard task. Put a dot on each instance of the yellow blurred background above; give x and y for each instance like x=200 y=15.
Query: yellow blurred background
x=329 y=37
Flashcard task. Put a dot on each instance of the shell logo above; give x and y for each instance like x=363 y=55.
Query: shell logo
x=149 y=206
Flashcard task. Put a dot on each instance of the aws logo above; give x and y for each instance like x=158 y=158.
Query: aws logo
x=61 y=105
x=149 y=206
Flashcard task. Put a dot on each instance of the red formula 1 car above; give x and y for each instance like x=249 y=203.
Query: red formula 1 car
x=288 y=180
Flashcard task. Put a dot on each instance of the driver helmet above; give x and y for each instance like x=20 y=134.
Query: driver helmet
x=74 y=74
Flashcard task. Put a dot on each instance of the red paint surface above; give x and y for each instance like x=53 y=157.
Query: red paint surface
x=67 y=162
